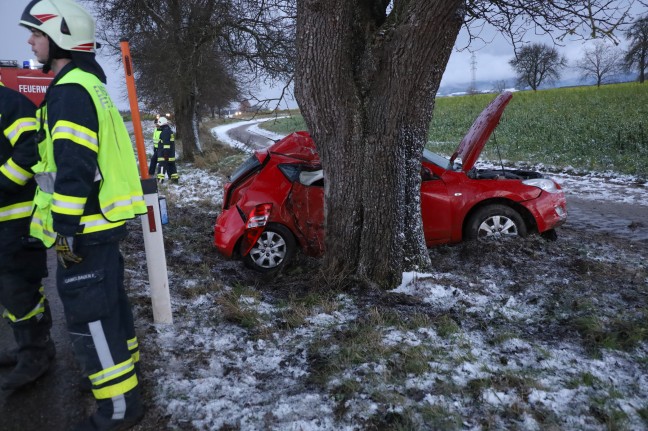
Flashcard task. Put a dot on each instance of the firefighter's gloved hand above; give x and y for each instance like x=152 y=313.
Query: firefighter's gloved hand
x=64 y=251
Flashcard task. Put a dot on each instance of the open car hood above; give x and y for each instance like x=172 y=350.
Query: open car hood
x=298 y=145
x=473 y=143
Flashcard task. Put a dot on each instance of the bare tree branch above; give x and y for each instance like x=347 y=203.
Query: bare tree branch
x=189 y=54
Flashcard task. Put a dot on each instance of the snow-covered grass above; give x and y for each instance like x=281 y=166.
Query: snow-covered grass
x=526 y=334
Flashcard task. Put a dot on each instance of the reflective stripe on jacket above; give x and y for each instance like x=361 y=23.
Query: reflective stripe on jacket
x=17 y=154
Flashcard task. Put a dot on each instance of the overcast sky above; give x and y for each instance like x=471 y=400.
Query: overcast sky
x=491 y=59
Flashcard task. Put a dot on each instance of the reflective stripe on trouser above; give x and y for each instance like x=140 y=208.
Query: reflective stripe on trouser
x=22 y=267
x=39 y=308
x=133 y=348
x=100 y=323
x=169 y=168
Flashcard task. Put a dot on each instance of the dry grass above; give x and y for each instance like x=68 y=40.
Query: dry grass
x=216 y=157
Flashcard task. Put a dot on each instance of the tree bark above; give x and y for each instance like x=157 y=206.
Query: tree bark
x=367 y=96
x=184 y=109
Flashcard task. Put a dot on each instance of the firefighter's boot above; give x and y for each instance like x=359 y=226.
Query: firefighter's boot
x=106 y=418
x=35 y=351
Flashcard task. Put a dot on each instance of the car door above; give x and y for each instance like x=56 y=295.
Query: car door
x=435 y=209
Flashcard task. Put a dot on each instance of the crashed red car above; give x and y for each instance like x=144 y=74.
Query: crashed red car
x=273 y=203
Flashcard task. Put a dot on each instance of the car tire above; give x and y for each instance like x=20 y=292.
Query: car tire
x=272 y=251
x=494 y=222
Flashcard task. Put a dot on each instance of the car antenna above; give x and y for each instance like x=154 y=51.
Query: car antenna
x=499 y=154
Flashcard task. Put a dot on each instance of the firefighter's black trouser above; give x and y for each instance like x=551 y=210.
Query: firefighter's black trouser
x=100 y=322
x=167 y=164
x=168 y=168
x=23 y=265
x=153 y=163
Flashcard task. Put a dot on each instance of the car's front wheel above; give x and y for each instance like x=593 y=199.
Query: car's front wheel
x=495 y=222
x=274 y=248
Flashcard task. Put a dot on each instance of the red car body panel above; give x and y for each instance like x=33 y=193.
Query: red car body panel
x=305 y=207
x=300 y=146
x=543 y=210
x=473 y=143
x=448 y=195
x=227 y=232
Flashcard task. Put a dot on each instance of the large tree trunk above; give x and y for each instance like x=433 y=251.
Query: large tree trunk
x=366 y=87
x=184 y=113
x=186 y=107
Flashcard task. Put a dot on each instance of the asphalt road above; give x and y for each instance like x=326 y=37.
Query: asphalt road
x=614 y=218
x=54 y=402
x=252 y=140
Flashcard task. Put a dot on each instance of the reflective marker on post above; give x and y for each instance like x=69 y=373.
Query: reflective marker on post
x=164 y=215
x=150 y=213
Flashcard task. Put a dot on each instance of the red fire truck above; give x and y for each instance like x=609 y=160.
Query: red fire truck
x=30 y=82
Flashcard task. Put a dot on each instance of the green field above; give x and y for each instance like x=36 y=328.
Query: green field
x=588 y=128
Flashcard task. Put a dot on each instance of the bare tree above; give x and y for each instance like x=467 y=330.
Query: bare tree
x=245 y=106
x=181 y=48
x=637 y=55
x=536 y=64
x=217 y=87
x=500 y=85
x=600 y=62
x=366 y=78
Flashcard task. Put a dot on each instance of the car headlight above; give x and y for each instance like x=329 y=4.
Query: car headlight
x=545 y=184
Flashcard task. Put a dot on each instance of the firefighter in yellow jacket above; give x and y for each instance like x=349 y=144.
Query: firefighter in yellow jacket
x=23 y=262
x=88 y=186
x=156 y=140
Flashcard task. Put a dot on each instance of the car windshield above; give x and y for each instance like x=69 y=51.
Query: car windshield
x=440 y=161
x=247 y=166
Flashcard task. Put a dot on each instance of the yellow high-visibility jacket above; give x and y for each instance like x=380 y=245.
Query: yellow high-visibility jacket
x=75 y=203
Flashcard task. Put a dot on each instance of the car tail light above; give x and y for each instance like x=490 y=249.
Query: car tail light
x=259 y=216
x=254 y=226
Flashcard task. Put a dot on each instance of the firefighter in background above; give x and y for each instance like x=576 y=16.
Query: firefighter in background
x=88 y=186
x=166 y=152
x=23 y=262
x=156 y=141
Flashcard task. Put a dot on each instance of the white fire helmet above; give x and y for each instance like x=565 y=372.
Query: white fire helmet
x=162 y=121
x=66 y=23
